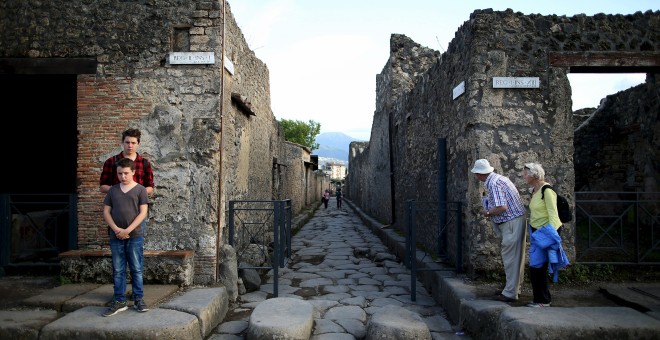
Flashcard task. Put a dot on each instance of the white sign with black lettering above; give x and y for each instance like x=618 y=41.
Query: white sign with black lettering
x=516 y=82
x=190 y=58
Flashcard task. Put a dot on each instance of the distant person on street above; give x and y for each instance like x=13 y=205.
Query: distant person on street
x=143 y=171
x=505 y=210
x=326 y=198
x=124 y=208
x=544 y=233
x=338 y=195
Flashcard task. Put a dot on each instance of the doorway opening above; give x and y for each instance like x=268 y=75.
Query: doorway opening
x=38 y=190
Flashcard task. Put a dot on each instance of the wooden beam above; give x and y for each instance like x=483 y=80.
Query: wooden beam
x=606 y=62
x=48 y=65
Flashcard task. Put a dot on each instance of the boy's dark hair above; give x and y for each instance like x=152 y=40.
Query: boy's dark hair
x=126 y=163
x=131 y=133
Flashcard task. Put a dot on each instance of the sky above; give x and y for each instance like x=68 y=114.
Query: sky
x=323 y=56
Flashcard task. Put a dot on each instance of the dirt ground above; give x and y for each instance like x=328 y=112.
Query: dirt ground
x=607 y=288
x=588 y=295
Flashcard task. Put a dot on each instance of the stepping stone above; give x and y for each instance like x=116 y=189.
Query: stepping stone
x=393 y=322
x=281 y=318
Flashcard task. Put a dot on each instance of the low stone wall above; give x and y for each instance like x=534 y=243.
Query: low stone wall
x=160 y=266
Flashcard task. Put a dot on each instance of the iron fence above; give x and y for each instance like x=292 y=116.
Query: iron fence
x=260 y=232
x=617 y=227
x=35 y=228
x=432 y=220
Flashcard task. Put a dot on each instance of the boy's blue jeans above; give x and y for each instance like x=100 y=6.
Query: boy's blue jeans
x=127 y=251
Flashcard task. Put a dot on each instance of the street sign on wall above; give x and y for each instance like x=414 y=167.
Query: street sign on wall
x=186 y=58
x=516 y=82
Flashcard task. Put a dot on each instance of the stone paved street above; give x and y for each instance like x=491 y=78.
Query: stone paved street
x=348 y=274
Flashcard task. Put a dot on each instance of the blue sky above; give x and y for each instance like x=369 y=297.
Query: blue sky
x=323 y=56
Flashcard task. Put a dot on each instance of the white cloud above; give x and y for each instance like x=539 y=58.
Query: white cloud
x=261 y=17
x=324 y=56
x=325 y=82
x=589 y=88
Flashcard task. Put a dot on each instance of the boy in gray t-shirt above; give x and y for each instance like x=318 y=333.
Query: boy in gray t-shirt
x=124 y=208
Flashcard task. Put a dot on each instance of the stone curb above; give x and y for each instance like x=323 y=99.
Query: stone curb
x=486 y=319
x=88 y=323
x=192 y=315
x=209 y=305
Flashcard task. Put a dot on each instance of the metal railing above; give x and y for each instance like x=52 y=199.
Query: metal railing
x=617 y=227
x=432 y=218
x=35 y=228
x=256 y=225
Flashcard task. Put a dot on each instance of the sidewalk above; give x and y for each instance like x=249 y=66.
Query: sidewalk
x=485 y=318
x=343 y=282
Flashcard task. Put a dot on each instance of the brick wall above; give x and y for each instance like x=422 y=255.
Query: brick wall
x=205 y=149
x=105 y=109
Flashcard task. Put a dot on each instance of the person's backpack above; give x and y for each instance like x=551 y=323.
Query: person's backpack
x=563 y=207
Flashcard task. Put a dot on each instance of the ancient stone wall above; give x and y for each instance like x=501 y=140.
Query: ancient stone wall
x=296 y=175
x=374 y=184
x=206 y=148
x=616 y=148
x=507 y=126
x=355 y=190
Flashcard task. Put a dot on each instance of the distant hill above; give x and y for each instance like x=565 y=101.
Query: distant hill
x=334 y=145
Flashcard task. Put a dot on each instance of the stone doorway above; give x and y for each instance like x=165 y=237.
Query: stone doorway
x=40 y=171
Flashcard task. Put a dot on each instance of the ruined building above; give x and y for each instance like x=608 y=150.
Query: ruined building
x=501 y=92
x=77 y=73
x=81 y=72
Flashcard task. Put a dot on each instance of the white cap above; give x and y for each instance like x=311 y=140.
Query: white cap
x=481 y=166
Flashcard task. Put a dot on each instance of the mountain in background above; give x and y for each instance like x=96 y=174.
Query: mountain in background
x=334 y=145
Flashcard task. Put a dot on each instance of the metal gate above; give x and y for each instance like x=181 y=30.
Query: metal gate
x=432 y=220
x=260 y=232
x=617 y=227
x=35 y=228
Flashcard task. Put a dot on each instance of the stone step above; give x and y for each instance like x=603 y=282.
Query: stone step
x=392 y=322
x=291 y=318
x=173 y=314
x=281 y=318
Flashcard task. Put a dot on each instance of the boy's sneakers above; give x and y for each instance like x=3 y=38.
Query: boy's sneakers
x=140 y=306
x=538 y=305
x=115 y=307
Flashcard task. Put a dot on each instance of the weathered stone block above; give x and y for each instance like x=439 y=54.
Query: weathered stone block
x=160 y=266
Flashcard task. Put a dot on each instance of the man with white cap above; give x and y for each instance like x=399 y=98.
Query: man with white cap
x=507 y=213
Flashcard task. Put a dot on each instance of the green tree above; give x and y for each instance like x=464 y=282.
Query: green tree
x=300 y=132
